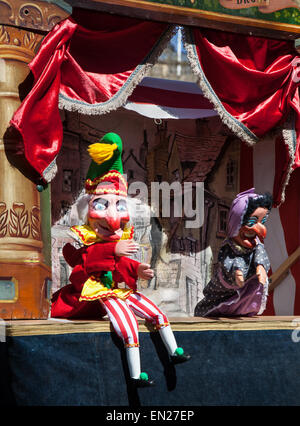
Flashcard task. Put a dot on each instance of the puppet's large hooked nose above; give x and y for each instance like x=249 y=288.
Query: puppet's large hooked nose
x=260 y=230
x=113 y=221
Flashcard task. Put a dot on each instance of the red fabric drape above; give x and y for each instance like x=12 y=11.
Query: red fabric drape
x=90 y=62
x=289 y=213
x=250 y=81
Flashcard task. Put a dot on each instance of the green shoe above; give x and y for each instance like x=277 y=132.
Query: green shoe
x=143 y=381
x=179 y=356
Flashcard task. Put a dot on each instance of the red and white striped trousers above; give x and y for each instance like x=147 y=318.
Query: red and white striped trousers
x=121 y=314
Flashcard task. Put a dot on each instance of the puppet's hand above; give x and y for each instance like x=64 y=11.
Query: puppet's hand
x=126 y=248
x=144 y=272
x=261 y=274
x=239 y=278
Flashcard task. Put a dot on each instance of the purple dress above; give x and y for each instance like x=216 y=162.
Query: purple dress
x=222 y=296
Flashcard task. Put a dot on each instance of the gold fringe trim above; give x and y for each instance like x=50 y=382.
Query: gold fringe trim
x=159 y=326
x=132 y=345
x=97 y=180
x=107 y=191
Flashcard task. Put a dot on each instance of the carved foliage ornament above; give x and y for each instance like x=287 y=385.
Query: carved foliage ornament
x=18 y=222
x=3 y=219
x=16 y=43
x=41 y=15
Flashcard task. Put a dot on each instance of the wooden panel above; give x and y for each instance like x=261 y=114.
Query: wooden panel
x=39 y=15
x=195 y=15
x=31 y=299
x=61 y=326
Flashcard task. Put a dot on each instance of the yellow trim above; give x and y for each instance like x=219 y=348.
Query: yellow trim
x=132 y=345
x=127 y=233
x=159 y=326
x=94 y=289
x=88 y=236
x=102 y=178
x=113 y=174
x=107 y=191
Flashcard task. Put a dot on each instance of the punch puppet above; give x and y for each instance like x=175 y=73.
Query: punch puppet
x=239 y=286
x=101 y=263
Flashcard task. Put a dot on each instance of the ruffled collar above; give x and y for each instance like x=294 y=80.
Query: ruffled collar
x=236 y=247
x=88 y=236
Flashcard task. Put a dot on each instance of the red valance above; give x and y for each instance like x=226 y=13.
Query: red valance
x=90 y=63
x=251 y=83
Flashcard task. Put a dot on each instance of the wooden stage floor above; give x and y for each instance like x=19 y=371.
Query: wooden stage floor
x=62 y=326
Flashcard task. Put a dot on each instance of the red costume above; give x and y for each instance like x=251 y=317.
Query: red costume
x=91 y=261
x=100 y=264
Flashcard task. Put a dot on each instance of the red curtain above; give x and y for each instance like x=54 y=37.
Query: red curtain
x=251 y=82
x=91 y=63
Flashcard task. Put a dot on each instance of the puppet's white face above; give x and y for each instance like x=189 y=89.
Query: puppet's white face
x=108 y=215
x=255 y=227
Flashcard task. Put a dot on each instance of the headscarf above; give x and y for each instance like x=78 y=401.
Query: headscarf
x=237 y=210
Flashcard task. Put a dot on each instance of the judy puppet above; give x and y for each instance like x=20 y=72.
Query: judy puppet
x=239 y=286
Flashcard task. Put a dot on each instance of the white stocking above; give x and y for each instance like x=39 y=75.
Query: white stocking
x=134 y=363
x=168 y=338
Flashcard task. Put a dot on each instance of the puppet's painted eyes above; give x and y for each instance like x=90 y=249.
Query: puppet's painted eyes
x=100 y=204
x=251 y=221
x=122 y=206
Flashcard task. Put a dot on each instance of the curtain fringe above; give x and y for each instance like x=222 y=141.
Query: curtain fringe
x=288 y=134
x=233 y=124
x=122 y=95
x=246 y=135
x=50 y=171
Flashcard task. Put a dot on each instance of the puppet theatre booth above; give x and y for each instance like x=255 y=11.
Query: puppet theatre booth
x=237 y=128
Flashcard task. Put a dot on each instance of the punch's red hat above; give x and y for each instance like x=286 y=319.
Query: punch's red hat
x=112 y=182
x=105 y=174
